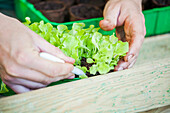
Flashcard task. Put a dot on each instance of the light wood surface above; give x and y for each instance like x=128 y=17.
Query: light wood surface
x=138 y=89
x=154 y=48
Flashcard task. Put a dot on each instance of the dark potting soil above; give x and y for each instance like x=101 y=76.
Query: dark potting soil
x=34 y=1
x=84 y=63
x=87 y=65
x=162 y=2
x=67 y=2
x=86 y=12
x=150 y=4
x=48 y=6
x=93 y=2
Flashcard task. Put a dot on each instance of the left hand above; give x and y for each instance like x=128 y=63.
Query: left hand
x=126 y=16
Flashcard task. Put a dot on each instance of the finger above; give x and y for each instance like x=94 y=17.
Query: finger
x=135 y=32
x=32 y=60
x=134 y=47
x=71 y=77
x=125 y=65
x=26 y=83
x=50 y=68
x=22 y=89
x=121 y=65
x=17 y=88
x=24 y=72
x=111 y=13
x=132 y=64
x=45 y=46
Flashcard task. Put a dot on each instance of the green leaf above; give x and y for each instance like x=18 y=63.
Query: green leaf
x=93 y=69
x=113 y=39
x=83 y=76
x=95 y=39
x=122 y=48
x=84 y=69
x=78 y=25
x=89 y=60
x=103 y=68
x=28 y=21
x=35 y=27
x=62 y=28
x=52 y=40
x=3 y=88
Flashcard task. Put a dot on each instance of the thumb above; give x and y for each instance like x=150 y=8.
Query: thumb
x=110 y=15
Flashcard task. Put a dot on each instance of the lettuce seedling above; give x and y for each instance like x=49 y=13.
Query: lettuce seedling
x=103 y=52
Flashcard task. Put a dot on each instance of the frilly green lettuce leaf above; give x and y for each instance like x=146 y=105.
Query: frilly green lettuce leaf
x=89 y=60
x=103 y=68
x=93 y=69
x=103 y=52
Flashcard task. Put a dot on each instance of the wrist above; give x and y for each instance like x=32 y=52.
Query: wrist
x=139 y=3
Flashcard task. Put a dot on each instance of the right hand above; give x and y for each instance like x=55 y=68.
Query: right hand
x=127 y=17
x=21 y=67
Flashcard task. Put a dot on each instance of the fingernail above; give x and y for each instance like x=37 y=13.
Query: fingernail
x=130 y=65
x=120 y=68
x=71 y=59
x=71 y=77
x=107 y=21
x=129 y=57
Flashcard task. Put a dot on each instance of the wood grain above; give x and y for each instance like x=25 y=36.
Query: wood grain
x=154 y=48
x=133 y=90
x=165 y=109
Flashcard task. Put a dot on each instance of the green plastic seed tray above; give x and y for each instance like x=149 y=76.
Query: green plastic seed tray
x=25 y=9
x=156 y=19
x=150 y=21
x=163 y=21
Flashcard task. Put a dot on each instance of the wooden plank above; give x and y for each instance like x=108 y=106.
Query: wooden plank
x=133 y=90
x=154 y=48
x=165 y=109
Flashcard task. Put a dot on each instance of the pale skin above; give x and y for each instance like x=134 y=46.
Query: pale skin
x=23 y=70
x=127 y=15
x=21 y=67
